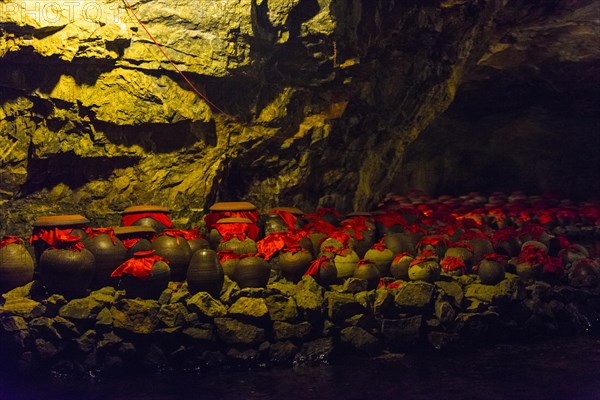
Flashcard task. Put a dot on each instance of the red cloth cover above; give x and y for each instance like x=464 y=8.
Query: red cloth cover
x=130 y=219
x=399 y=256
x=504 y=234
x=129 y=243
x=67 y=242
x=176 y=233
x=532 y=255
x=320 y=226
x=287 y=217
x=227 y=255
x=275 y=242
x=49 y=236
x=93 y=232
x=211 y=218
x=533 y=230
x=316 y=265
x=357 y=224
x=237 y=230
x=6 y=240
x=391 y=218
x=432 y=241
x=139 y=266
x=380 y=246
x=452 y=264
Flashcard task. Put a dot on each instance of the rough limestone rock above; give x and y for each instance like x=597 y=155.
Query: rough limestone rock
x=384 y=303
x=282 y=352
x=501 y=293
x=315 y=352
x=360 y=340
x=43 y=327
x=281 y=308
x=247 y=307
x=203 y=303
x=204 y=333
x=415 y=295
x=172 y=315
x=23 y=307
x=452 y=289
x=285 y=330
x=136 y=315
x=341 y=306
x=235 y=332
x=403 y=332
x=81 y=309
x=13 y=324
x=311 y=103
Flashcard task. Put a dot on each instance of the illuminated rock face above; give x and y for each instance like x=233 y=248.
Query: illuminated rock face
x=314 y=101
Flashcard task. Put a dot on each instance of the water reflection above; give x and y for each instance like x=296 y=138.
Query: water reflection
x=567 y=368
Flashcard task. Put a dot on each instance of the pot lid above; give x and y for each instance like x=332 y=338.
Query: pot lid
x=233 y=206
x=145 y=208
x=61 y=220
x=234 y=220
x=291 y=210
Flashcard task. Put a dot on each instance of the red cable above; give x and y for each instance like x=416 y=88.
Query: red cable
x=173 y=64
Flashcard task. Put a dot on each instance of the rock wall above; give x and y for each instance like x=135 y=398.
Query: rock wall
x=310 y=102
x=525 y=118
x=282 y=324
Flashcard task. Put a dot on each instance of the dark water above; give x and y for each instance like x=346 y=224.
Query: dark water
x=559 y=369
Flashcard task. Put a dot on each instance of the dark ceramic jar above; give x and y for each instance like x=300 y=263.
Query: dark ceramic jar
x=177 y=251
x=246 y=246
x=229 y=261
x=400 y=265
x=464 y=252
x=67 y=269
x=230 y=209
x=491 y=271
x=424 y=270
x=345 y=264
x=382 y=257
x=271 y=223
x=296 y=212
x=47 y=228
x=323 y=271
x=109 y=252
x=294 y=262
x=366 y=269
x=232 y=227
x=145 y=275
x=16 y=264
x=362 y=230
x=252 y=272
x=399 y=243
x=152 y=216
x=205 y=273
x=135 y=238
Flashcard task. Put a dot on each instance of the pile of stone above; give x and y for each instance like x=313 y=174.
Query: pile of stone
x=282 y=324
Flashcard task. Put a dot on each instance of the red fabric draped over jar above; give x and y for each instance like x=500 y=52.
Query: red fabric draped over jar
x=357 y=224
x=239 y=230
x=211 y=218
x=93 y=232
x=130 y=219
x=275 y=242
x=316 y=265
x=139 y=266
x=6 y=240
